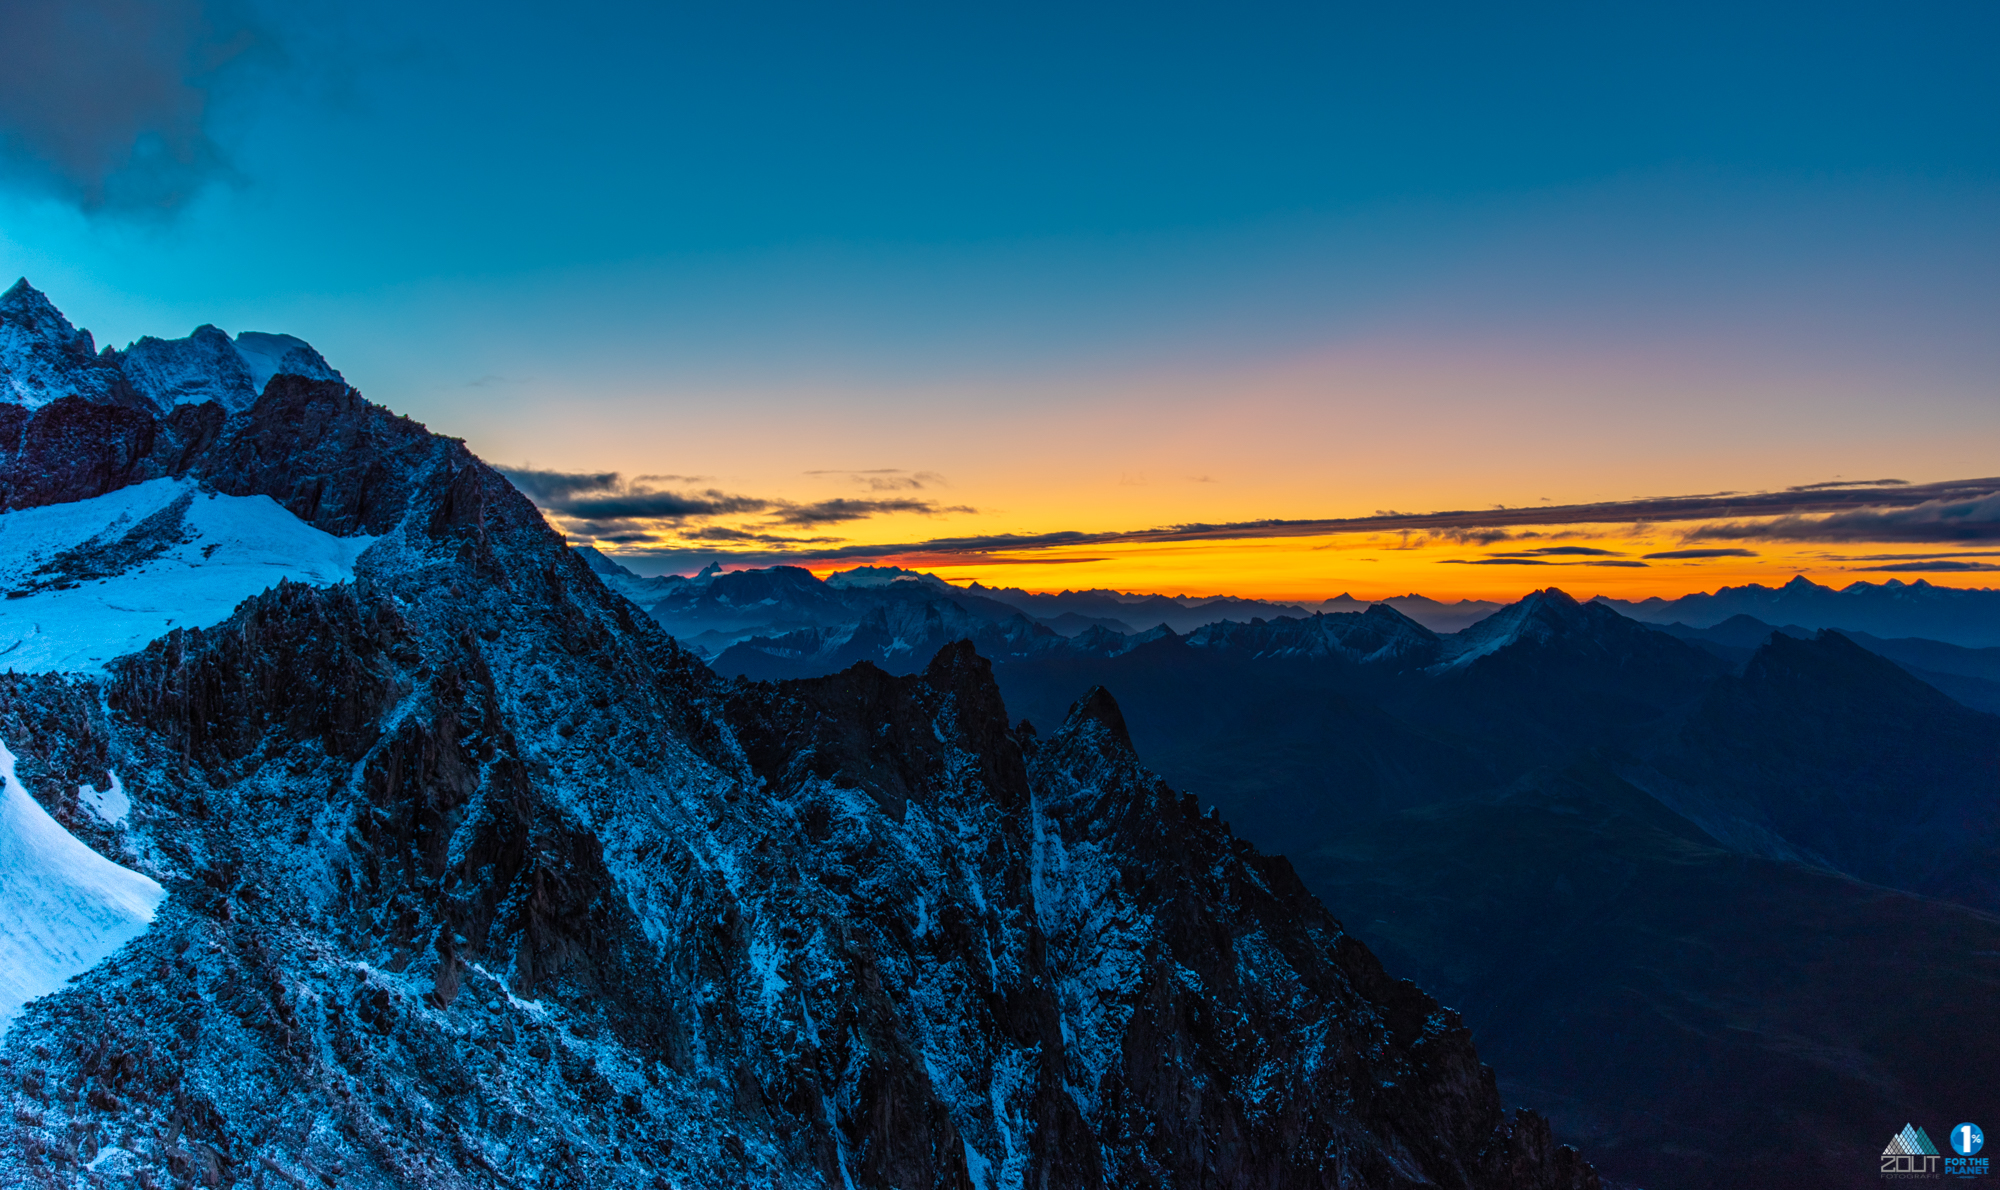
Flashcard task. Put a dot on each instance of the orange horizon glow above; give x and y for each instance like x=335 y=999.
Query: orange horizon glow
x=1370 y=568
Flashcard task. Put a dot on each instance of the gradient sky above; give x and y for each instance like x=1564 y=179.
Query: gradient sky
x=809 y=279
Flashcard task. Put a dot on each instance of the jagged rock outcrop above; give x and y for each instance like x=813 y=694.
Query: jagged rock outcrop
x=477 y=877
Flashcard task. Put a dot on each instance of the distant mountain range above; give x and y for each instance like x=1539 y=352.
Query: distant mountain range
x=1961 y=616
x=715 y=609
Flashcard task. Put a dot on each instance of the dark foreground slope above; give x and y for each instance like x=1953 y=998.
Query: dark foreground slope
x=477 y=878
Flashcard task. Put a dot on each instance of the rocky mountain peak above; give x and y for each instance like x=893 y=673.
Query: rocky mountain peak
x=1098 y=708
x=29 y=308
x=43 y=358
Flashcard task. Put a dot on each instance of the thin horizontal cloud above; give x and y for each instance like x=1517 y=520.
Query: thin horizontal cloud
x=605 y=496
x=1512 y=560
x=833 y=512
x=660 y=506
x=1911 y=557
x=1581 y=551
x=1715 y=553
x=1475 y=536
x=1830 y=484
x=723 y=533
x=1976 y=518
x=1939 y=567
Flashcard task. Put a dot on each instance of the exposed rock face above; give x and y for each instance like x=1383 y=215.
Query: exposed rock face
x=477 y=877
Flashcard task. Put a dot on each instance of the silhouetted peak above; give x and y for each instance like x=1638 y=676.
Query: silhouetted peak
x=1388 y=618
x=1098 y=707
x=955 y=660
x=1827 y=665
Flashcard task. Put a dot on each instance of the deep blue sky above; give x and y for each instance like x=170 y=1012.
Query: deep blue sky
x=426 y=139
x=756 y=240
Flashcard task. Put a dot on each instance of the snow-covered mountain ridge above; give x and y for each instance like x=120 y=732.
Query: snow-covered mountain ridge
x=44 y=358
x=476 y=877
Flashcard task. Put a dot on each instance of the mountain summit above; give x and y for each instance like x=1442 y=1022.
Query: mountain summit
x=43 y=358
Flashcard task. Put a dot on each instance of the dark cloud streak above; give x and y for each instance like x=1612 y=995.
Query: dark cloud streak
x=106 y=103
x=832 y=512
x=1973 y=518
x=1692 y=554
x=547 y=487
x=1931 y=567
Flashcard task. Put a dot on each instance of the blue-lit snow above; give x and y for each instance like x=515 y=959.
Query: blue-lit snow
x=63 y=907
x=220 y=551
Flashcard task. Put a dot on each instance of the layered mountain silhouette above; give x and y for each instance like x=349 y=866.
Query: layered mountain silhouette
x=1969 y=618
x=1972 y=676
x=475 y=876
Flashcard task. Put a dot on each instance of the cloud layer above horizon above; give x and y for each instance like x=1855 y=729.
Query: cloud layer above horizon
x=660 y=531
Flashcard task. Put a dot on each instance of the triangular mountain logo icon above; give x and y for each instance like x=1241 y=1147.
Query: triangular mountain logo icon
x=1910 y=1142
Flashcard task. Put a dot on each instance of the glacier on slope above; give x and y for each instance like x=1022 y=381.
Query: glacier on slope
x=96 y=579
x=63 y=907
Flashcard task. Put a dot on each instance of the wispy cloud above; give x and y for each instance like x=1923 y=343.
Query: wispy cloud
x=548 y=488
x=106 y=103
x=1911 y=557
x=1551 y=551
x=1523 y=560
x=832 y=512
x=887 y=479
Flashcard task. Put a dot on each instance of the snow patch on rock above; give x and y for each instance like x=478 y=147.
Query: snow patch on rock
x=112 y=805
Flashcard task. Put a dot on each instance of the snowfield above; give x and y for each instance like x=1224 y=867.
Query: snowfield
x=63 y=907
x=93 y=580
